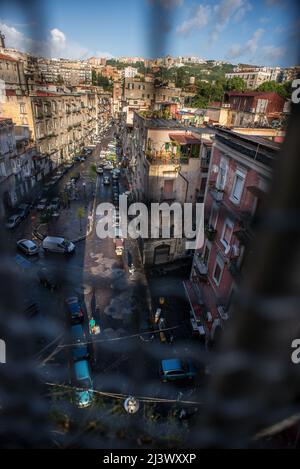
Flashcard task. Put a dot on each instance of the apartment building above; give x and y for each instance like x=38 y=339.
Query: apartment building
x=239 y=177
x=252 y=77
x=165 y=167
x=20 y=168
x=247 y=109
x=61 y=123
x=12 y=73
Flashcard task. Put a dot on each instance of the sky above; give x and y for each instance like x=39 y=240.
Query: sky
x=262 y=32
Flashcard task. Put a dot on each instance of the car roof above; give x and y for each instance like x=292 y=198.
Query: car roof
x=77 y=331
x=27 y=242
x=55 y=239
x=82 y=370
x=172 y=364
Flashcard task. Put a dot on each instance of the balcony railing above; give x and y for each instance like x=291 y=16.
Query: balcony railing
x=216 y=193
x=164 y=157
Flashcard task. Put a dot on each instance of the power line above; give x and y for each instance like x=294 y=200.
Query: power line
x=120 y=396
x=113 y=339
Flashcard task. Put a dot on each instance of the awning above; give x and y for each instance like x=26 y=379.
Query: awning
x=185 y=139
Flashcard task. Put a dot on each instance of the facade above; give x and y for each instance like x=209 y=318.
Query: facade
x=21 y=167
x=12 y=73
x=252 y=77
x=247 y=109
x=60 y=123
x=239 y=177
x=165 y=167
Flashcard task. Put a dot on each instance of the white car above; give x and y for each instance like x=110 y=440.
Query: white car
x=28 y=247
x=13 y=222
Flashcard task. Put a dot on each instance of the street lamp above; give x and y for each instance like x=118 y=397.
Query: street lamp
x=131 y=405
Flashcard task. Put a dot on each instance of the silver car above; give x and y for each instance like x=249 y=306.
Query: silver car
x=28 y=247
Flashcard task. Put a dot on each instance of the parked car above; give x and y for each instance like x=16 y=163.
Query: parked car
x=83 y=381
x=54 y=204
x=75 y=177
x=174 y=369
x=24 y=210
x=146 y=332
x=58 y=245
x=79 y=349
x=75 y=310
x=42 y=204
x=48 y=279
x=106 y=180
x=28 y=247
x=13 y=221
x=99 y=170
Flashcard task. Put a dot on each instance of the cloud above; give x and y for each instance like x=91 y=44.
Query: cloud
x=218 y=16
x=250 y=48
x=55 y=45
x=272 y=54
x=198 y=20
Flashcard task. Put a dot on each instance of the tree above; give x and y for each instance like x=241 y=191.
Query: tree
x=283 y=90
x=80 y=216
x=235 y=84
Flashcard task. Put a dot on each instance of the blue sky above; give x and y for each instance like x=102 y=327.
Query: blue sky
x=252 y=31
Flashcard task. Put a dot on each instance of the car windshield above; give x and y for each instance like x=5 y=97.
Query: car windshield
x=83 y=384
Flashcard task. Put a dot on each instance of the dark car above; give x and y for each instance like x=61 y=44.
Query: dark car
x=54 y=204
x=174 y=369
x=75 y=177
x=48 y=279
x=24 y=210
x=79 y=349
x=75 y=310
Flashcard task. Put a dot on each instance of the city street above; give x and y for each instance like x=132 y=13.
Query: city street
x=122 y=362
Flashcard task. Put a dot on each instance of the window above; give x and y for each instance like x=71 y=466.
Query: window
x=227 y=233
x=214 y=216
x=218 y=270
x=221 y=181
x=206 y=255
x=238 y=186
x=22 y=109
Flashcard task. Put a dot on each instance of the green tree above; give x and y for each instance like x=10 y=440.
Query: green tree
x=283 y=90
x=235 y=84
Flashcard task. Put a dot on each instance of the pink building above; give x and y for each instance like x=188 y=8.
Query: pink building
x=239 y=177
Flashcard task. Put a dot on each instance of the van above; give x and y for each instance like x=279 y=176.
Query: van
x=57 y=244
x=83 y=381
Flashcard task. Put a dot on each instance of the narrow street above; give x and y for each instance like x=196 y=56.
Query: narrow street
x=121 y=361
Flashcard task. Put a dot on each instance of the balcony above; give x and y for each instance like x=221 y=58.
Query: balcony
x=217 y=194
x=210 y=233
x=202 y=268
x=165 y=158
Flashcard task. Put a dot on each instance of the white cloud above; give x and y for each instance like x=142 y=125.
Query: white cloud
x=56 y=45
x=198 y=20
x=272 y=54
x=250 y=48
x=218 y=16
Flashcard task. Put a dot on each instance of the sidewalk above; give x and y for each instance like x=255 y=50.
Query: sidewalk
x=68 y=225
